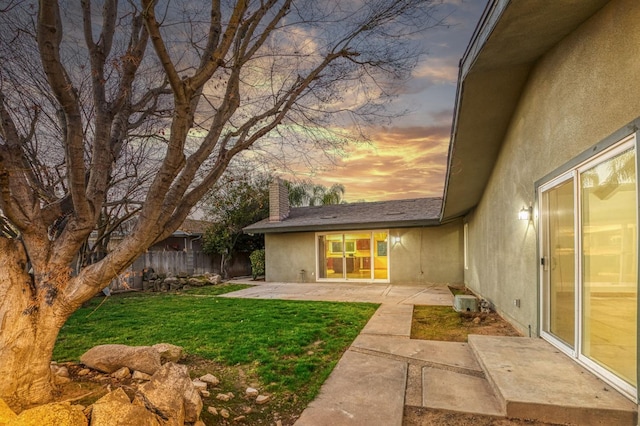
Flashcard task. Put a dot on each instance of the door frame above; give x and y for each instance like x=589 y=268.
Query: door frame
x=372 y=246
x=587 y=160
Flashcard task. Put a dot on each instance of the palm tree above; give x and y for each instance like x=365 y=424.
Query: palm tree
x=308 y=194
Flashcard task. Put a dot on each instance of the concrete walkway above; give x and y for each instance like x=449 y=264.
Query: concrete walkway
x=384 y=370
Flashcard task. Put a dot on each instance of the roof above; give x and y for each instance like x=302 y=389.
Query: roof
x=510 y=37
x=192 y=227
x=375 y=215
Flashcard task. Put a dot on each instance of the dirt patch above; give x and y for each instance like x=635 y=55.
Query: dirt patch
x=444 y=323
x=283 y=407
x=419 y=416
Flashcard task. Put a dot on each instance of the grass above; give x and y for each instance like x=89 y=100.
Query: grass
x=291 y=345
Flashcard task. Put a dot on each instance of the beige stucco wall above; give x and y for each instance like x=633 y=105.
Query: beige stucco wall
x=287 y=254
x=428 y=255
x=580 y=92
x=422 y=256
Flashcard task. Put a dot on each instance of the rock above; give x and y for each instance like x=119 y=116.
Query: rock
x=58 y=370
x=477 y=320
x=223 y=397
x=109 y=358
x=199 y=384
x=139 y=375
x=199 y=423
x=57 y=414
x=6 y=413
x=224 y=413
x=252 y=392
x=169 y=352
x=84 y=372
x=115 y=409
x=171 y=394
x=122 y=373
x=214 y=279
x=197 y=282
x=61 y=380
x=212 y=411
x=239 y=418
x=262 y=399
x=278 y=422
x=171 y=281
x=205 y=393
x=211 y=379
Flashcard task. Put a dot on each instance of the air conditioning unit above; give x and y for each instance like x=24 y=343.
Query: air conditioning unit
x=465 y=303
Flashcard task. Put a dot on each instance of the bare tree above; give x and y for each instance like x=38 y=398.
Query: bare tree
x=135 y=109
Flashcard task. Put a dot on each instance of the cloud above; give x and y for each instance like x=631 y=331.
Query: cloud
x=400 y=163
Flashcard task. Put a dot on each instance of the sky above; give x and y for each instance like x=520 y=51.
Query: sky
x=408 y=158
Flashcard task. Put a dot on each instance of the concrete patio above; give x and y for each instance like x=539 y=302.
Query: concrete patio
x=384 y=370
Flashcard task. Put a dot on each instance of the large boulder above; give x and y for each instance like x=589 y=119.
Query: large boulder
x=58 y=414
x=171 y=394
x=6 y=413
x=169 y=352
x=115 y=409
x=109 y=358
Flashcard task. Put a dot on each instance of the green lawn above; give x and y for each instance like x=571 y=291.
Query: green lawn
x=292 y=345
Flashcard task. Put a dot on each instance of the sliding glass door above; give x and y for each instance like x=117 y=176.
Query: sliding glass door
x=589 y=264
x=358 y=255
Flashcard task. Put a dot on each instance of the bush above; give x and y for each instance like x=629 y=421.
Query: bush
x=257 y=263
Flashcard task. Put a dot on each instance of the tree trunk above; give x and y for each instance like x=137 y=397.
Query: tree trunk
x=28 y=332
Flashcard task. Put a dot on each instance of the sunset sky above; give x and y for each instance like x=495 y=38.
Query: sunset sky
x=408 y=158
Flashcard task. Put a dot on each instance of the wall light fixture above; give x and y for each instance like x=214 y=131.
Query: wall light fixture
x=526 y=213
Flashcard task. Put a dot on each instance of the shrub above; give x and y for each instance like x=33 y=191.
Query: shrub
x=257 y=263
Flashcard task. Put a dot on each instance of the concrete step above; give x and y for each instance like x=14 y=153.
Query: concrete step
x=454 y=391
x=533 y=380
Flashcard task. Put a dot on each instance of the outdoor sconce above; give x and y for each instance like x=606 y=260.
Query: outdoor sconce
x=395 y=240
x=526 y=213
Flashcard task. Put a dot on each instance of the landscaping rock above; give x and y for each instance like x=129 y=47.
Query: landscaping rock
x=262 y=399
x=172 y=394
x=139 y=375
x=214 y=279
x=83 y=372
x=212 y=411
x=252 y=392
x=224 y=413
x=122 y=373
x=205 y=393
x=210 y=379
x=58 y=414
x=169 y=352
x=197 y=282
x=199 y=385
x=61 y=380
x=239 y=418
x=223 y=397
x=109 y=358
x=115 y=409
x=59 y=370
x=6 y=413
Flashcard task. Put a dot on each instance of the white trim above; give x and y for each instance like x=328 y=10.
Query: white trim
x=625 y=144
x=465 y=232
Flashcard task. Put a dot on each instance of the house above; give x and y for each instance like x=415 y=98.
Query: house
x=545 y=129
x=540 y=208
x=188 y=237
x=391 y=241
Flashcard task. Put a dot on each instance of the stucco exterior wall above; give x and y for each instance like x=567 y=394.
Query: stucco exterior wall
x=287 y=254
x=424 y=255
x=428 y=255
x=580 y=92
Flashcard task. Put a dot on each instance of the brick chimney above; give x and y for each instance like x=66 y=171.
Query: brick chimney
x=278 y=201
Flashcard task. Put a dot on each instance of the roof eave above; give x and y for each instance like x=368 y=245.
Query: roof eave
x=510 y=37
